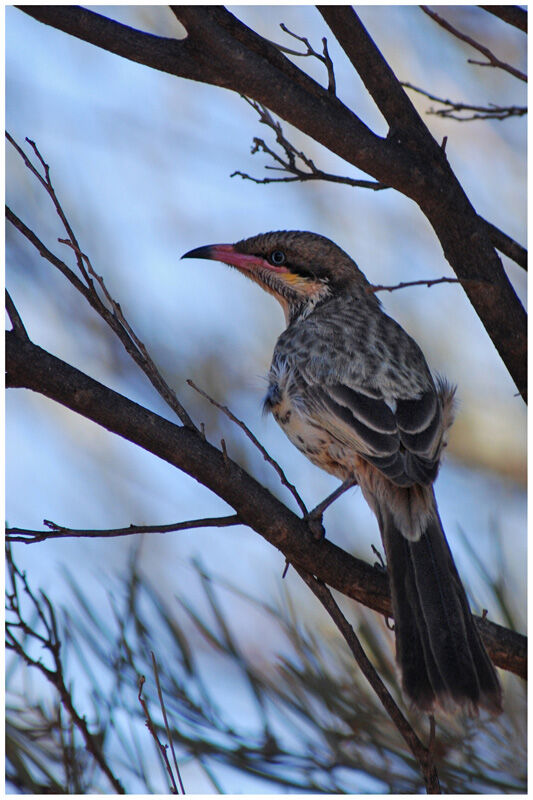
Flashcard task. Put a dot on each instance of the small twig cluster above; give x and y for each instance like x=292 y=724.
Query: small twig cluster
x=454 y=108
x=289 y=162
x=324 y=57
x=42 y=631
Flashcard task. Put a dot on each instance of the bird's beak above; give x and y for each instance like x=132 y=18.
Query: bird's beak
x=228 y=255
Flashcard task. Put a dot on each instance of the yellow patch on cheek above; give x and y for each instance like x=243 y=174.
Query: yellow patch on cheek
x=302 y=285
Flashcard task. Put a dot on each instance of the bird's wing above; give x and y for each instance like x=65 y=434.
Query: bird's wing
x=393 y=420
x=404 y=444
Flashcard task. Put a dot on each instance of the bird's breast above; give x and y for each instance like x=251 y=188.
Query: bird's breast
x=285 y=400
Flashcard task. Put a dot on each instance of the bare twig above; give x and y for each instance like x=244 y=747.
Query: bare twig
x=292 y=489
x=506 y=245
x=324 y=57
x=167 y=728
x=114 y=317
x=60 y=532
x=47 y=185
x=491 y=111
x=19 y=634
x=144 y=359
x=431 y=282
x=314 y=517
x=318 y=510
x=161 y=748
x=16 y=321
x=492 y=60
x=289 y=163
x=421 y=753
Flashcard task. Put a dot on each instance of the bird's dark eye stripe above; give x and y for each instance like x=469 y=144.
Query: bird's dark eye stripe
x=305 y=273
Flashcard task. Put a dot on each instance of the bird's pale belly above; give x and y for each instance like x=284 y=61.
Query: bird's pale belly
x=313 y=441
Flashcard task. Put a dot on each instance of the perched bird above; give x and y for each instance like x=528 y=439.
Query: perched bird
x=352 y=390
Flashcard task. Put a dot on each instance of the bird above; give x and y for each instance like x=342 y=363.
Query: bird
x=352 y=390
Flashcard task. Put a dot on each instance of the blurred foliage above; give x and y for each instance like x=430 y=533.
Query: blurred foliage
x=304 y=720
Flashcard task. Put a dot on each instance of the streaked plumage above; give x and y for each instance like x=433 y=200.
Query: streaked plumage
x=352 y=390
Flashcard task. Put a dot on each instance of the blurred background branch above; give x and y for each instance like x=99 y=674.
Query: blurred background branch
x=305 y=720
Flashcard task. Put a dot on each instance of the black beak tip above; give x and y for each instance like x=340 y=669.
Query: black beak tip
x=199 y=252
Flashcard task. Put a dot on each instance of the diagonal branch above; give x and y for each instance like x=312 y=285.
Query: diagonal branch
x=16 y=321
x=422 y=754
x=463 y=235
x=114 y=317
x=492 y=60
x=255 y=441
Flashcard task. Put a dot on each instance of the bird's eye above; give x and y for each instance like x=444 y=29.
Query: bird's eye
x=277 y=257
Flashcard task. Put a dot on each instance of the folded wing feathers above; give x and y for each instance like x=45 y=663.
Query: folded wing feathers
x=404 y=445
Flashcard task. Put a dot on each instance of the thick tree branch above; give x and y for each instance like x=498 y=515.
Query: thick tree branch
x=30 y=367
x=222 y=51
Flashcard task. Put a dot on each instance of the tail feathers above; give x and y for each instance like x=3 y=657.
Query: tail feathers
x=438 y=648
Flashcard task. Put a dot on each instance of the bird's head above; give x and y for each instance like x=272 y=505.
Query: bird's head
x=299 y=268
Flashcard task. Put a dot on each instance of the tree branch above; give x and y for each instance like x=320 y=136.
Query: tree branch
x=60 y=532
x=31 y=367
x=16 y=321
x=372 y=289
x=222 y=51
x=422 y=754
x=114 y=317
x=255 y=441
x=492 y=60
x=482 y=112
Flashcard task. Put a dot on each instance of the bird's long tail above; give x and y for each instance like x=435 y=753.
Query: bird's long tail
x=442 y=659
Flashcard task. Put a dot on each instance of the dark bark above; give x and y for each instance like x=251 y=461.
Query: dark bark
x=29 y=366
x=220 y=50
